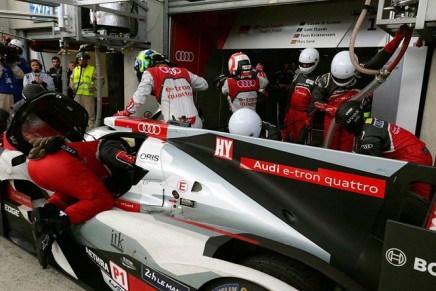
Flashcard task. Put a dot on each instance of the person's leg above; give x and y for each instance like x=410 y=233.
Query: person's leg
x=77 y=190
x=74 y=179
x=89 y=104
x=6 y=101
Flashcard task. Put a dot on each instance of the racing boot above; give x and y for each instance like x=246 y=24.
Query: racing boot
x=39 y=214
x=49 y=229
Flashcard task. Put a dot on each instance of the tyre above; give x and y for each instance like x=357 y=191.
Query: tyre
x=231 y=284
x=289 y=271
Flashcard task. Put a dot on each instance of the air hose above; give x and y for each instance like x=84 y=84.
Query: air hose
x=380 y=76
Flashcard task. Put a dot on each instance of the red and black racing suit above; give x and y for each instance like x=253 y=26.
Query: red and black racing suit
x=298 y=103
x=76 y=175
x=383 y=139
x=328 y=96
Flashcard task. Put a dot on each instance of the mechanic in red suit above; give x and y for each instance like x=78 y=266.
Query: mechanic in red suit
x=172 y=87
x=243 y=84
x=76 y=173
x=342 y=83
x=376 y=137
x=301 y=88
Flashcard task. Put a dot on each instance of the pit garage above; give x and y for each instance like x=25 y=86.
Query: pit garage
x=205 y=33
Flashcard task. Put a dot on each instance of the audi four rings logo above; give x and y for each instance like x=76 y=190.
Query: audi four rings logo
x=396 y=257
x=172 y=71
x=147 y=128
x=182 y=56
x=246 y=83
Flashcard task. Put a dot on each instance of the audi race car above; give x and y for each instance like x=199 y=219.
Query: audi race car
x=210 y=210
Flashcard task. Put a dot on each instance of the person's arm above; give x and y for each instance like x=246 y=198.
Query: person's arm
x=263 y=81
x=198 y=83
x=225 y=88
x=26 y=80
x=49 y=82
x=16 y=71
x=320 y=95
x=380 y=59
x=71 y=81
x=371 y=146
x=144 y=89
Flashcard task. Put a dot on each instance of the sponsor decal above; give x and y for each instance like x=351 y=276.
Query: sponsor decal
x=421 y=265
x=396 y=129
x=111 y=283
x=246 y=83
x=12 y=210
x=117 y=241
x=396 y=257
x=228 y=287
x=329 y=178
x=149 y=157
x=127 y=263
x=127 y=205
x=170 y=70
x=18 y=197
x=119 y=275
x=378 y=123
x=161 y=281
x=224 y=148
x=184 y=56
x=97 y=260
x=152 y=128
x=367 y=146
x=408 y=252
x=182 y=186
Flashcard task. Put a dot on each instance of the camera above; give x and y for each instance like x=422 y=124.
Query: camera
x=9 y=54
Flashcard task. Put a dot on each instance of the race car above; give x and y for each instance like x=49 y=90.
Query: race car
x=211 y=210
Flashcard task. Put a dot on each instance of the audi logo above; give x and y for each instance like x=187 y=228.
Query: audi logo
x=182 y=56
x=396 y=257
x=172 y=71
x=246 y=83
x=147 y=128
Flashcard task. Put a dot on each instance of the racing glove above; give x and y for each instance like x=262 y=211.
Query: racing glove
x=54 y=144
x=403 y=31
x=130 y=109
x=219 y=81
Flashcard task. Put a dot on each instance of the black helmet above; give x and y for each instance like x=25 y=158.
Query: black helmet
x=31 y=91
x=350 y=116
x=83 y=55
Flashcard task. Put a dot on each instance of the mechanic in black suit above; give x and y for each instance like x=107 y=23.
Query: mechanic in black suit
x=376 y=137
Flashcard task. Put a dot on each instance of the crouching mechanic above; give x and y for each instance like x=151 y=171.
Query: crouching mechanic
x=171 y=86
x=247 y=122
x=78 y=173
x=376 y=137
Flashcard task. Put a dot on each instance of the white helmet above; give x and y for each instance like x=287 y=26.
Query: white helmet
x=245 y=122
x=342 y=69
x=239 y=62
x=308 y=60
x=17 y=43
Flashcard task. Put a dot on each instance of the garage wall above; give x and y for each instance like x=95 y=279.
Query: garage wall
x=428 y=129
x=184 y=6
